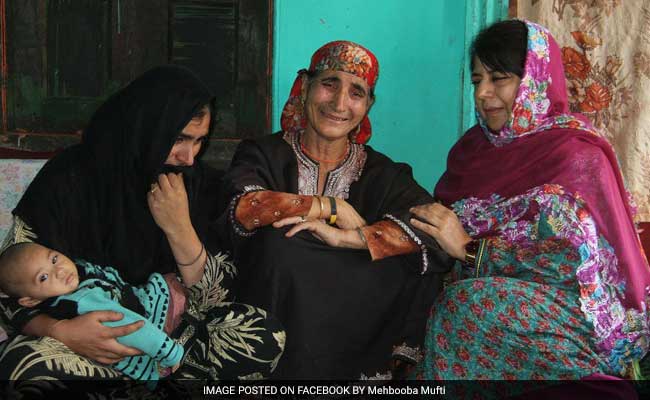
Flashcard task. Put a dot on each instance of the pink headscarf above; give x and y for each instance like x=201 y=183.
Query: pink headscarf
x=543 y=144
x=337 y=56
x=541 y=103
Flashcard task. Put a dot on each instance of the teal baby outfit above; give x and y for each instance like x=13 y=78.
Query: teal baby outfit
x=101 y=289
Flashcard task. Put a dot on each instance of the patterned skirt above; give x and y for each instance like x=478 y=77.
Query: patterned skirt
x=520 y=321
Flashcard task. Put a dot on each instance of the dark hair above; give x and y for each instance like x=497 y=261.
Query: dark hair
x=201 y=111
x=8 y=268
x=502 y=47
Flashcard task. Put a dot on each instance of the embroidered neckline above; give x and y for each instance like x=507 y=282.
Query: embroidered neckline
x=308 y=154
x=338 y=180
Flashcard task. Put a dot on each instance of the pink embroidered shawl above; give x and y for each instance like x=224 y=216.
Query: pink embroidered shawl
x=542 y=143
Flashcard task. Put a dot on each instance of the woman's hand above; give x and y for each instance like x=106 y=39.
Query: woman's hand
x=335 y=237
x=170 y=209
x=87 y=336
x=444 y=226
x=168 y=204
x=346 y=216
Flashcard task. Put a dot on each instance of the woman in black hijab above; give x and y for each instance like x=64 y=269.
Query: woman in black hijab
x=132 y=196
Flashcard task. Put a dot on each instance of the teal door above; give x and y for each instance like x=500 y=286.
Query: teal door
x=423 y=94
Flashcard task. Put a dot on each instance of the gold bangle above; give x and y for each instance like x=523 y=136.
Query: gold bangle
x=322 y=208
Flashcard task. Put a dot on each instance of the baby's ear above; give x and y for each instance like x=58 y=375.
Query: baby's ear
x=28 y=301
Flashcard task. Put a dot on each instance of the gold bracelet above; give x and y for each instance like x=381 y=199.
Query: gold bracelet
x=322 y=208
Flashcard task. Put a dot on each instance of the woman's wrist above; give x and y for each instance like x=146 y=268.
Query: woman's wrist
x=353 y=239
x=362 y=237
x=179 y=230
x=315 y=210
x=320 y=208
x=475 y=253
x=462 y=252
x=193 y=261
x=54 y=329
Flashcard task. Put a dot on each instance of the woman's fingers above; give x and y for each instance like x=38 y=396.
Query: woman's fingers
x=176 y=180
x=435 y=214
x=118 y=331
x=107 y=361
x=163 y=182
x=424 y=211
x=117 y=350
x=288 y=221
x=167 y=195
x=426 y=215
x=315 y=226
x=444 y=226
x=166 y=183
x=309 y=225
x=427 y=228
x=113 y=352
x=88 y=336
x=150 y=198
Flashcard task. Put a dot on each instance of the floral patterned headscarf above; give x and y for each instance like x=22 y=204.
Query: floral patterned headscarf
x=337 y=56
x=541 y=103
x=489 y=176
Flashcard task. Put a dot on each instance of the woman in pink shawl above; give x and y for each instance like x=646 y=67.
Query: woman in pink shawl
x=553 y=282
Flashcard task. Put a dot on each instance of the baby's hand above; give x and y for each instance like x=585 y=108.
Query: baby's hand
x=175 y=367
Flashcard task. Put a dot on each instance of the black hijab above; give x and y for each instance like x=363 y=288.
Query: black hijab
x=89 y=201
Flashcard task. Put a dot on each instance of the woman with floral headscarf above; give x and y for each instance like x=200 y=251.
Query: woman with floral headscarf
x=344 y=313
x=554 y=283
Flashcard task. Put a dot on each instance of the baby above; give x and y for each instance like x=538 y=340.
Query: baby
x=41 y=277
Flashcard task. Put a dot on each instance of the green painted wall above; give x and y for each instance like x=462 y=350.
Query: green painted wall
x=420 y=45
x=478 y=14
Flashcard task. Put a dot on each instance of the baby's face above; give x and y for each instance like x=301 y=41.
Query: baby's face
x=48 y=273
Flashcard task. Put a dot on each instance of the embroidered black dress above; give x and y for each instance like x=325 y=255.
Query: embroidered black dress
x=344 y=314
